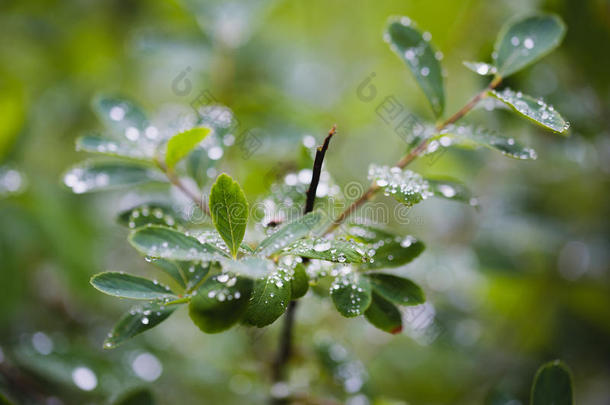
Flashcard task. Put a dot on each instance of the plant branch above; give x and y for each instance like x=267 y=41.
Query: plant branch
x=175 y=180
x=285 y=349
x=414 y=153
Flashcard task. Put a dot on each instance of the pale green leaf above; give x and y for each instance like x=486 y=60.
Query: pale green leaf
x=552 y=385
x=180 y=145
x=220 y=302
x=289 y=233
x=522 y=42
x=351 y=294
x=121 y=115
x=415 y=49
x=229 y=210
x=128 y=286
x=452 y=190
x=534 y=109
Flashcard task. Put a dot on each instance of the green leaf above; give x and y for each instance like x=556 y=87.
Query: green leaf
x=399 y=290
x=534 y=109
x=110 y=147
x=351 y=294
x=300 y=282
x=330 y=250
x=481 y=68
x=469 y=137
x=386 y=249
x=289 y=233
x=552 y=385
x=183 y=143
x=138 y=396
x=121 y=115
x=524 y=41
x=415 y=49
x=384 y=315
x=220 y=302
x=186 y=273
x=167 y=243
x=136 y=321
x=172 y=269
x=405 y=186
x=452 y=190
x=128 y=286
x=229 y=210
x=149 y=214
x=96 y=175
x=269 y=299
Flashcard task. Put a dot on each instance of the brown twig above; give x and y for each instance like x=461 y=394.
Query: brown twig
x=409 y=157
x=175 y=180
x=285 y=349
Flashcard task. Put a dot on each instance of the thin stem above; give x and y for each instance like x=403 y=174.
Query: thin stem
x=175 y=180
x=414 y=153
x=285 y=350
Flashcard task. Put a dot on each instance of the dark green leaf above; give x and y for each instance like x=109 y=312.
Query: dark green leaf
x=415 y=49
x=405 y=186
x=351 y=294
x=128 y=286
x=139 y=396
x=220 y=302
x=167 y=243
x=229 y=210
x=300 y=282
x=94 y=175
x=399 y=290
x=110 y=147
x=552 y=385
x=149 y=214
x=534 y=109
x=289 y=233
x=136 y=321
x=326 y=249
x=524 y=41
x=384 y=315
x=269 y=299
x=182 y=144
x=386 y=249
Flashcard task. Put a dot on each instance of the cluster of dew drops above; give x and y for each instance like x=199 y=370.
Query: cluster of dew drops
x=146 y=211
x=394 y=180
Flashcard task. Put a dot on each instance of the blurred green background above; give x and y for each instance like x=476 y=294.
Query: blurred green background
x=522 y=281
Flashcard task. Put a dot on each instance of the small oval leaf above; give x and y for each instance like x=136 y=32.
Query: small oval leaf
x=524 y=41
x=552 y=385
x=481 y=68
x=110 y=147
x=136 y=321
x=289 y=233
x=149 y=214
x=534 y=109
x=229 y=210
x=180 y=145
x=128 y=286
x=415 y=49
x=300 y=282
x=399 y=290
x=405 y=186
x=269 y=299
x=384 y=315
x=220 y=302
x=351 y=294
x=167 y=243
